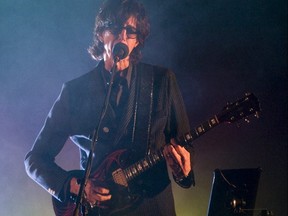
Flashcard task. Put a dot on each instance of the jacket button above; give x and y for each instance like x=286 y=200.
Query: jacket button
x=106 y=130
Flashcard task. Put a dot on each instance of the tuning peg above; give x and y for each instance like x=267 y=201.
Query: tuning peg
x=247 y=120
x=228 y=104
x=247 y=93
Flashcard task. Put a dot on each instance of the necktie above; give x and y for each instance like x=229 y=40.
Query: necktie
x=123 y=92
x=120 y=94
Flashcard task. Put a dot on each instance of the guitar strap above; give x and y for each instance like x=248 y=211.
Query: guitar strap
x=139 y=110
x=126 y=118
x=143 y=110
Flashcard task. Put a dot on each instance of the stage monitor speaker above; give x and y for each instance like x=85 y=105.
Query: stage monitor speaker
x=233 y=192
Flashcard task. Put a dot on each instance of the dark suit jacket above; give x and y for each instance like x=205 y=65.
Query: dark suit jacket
x=76 y=113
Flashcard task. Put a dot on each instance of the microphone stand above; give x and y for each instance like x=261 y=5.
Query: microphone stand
x=80 y=196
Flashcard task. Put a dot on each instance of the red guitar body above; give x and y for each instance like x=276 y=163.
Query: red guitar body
x=122 y=199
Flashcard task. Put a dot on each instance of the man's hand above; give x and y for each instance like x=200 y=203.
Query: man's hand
x=94 y=194
x=178 y=159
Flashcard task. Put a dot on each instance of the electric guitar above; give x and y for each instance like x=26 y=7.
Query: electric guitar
x=118 y=176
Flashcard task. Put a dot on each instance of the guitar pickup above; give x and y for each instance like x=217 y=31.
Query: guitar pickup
x=119 y=177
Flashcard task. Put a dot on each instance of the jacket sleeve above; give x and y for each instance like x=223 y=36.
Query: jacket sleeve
x=40 y=160
x=178 y=124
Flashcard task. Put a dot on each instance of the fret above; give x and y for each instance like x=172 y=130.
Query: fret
x=139 y=167
x=195 y=133
x=129 y=174
x=134 y=171
x=160 y=154
x=188 y=137
x=206 y=126
x=200 y=129
x=126 y=174
x=135 y=168
x=145 y=164
x=213 y=121
x=150 y=161
x=152 y=158
x=155 y=158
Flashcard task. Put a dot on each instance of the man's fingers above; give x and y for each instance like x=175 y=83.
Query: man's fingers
x=101 y=190
x=101 y=197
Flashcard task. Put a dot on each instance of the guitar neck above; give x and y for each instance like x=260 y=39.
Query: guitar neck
x=187 y=138
x=144 y=164
x=152 y=159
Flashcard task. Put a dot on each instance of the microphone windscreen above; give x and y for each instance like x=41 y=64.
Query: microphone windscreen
x=120 y=51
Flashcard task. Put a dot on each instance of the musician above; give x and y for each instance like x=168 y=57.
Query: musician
x=143 y=115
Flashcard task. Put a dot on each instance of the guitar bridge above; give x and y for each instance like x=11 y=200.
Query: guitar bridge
x=119 y=177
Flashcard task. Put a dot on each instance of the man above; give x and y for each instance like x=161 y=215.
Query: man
x=144 y=113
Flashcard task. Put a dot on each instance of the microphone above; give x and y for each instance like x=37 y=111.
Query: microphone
x=120 y=51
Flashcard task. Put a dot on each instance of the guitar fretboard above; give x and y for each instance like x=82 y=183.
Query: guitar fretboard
x=187 y=138
x=152 y=159
x=141 y=166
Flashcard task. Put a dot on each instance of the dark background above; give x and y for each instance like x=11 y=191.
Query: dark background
x=218 y=49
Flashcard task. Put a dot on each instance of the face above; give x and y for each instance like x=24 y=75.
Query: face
x=126 y=34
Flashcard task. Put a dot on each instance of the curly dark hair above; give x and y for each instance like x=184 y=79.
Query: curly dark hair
x=116 y=13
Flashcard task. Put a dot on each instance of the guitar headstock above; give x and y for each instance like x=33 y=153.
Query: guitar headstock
x=240 y=109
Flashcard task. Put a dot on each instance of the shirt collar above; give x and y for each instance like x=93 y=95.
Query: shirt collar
x=126 y=73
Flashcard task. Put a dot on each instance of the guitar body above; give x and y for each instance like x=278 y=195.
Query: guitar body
x=110 y=174
x=122 y=178
x=124 y=196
